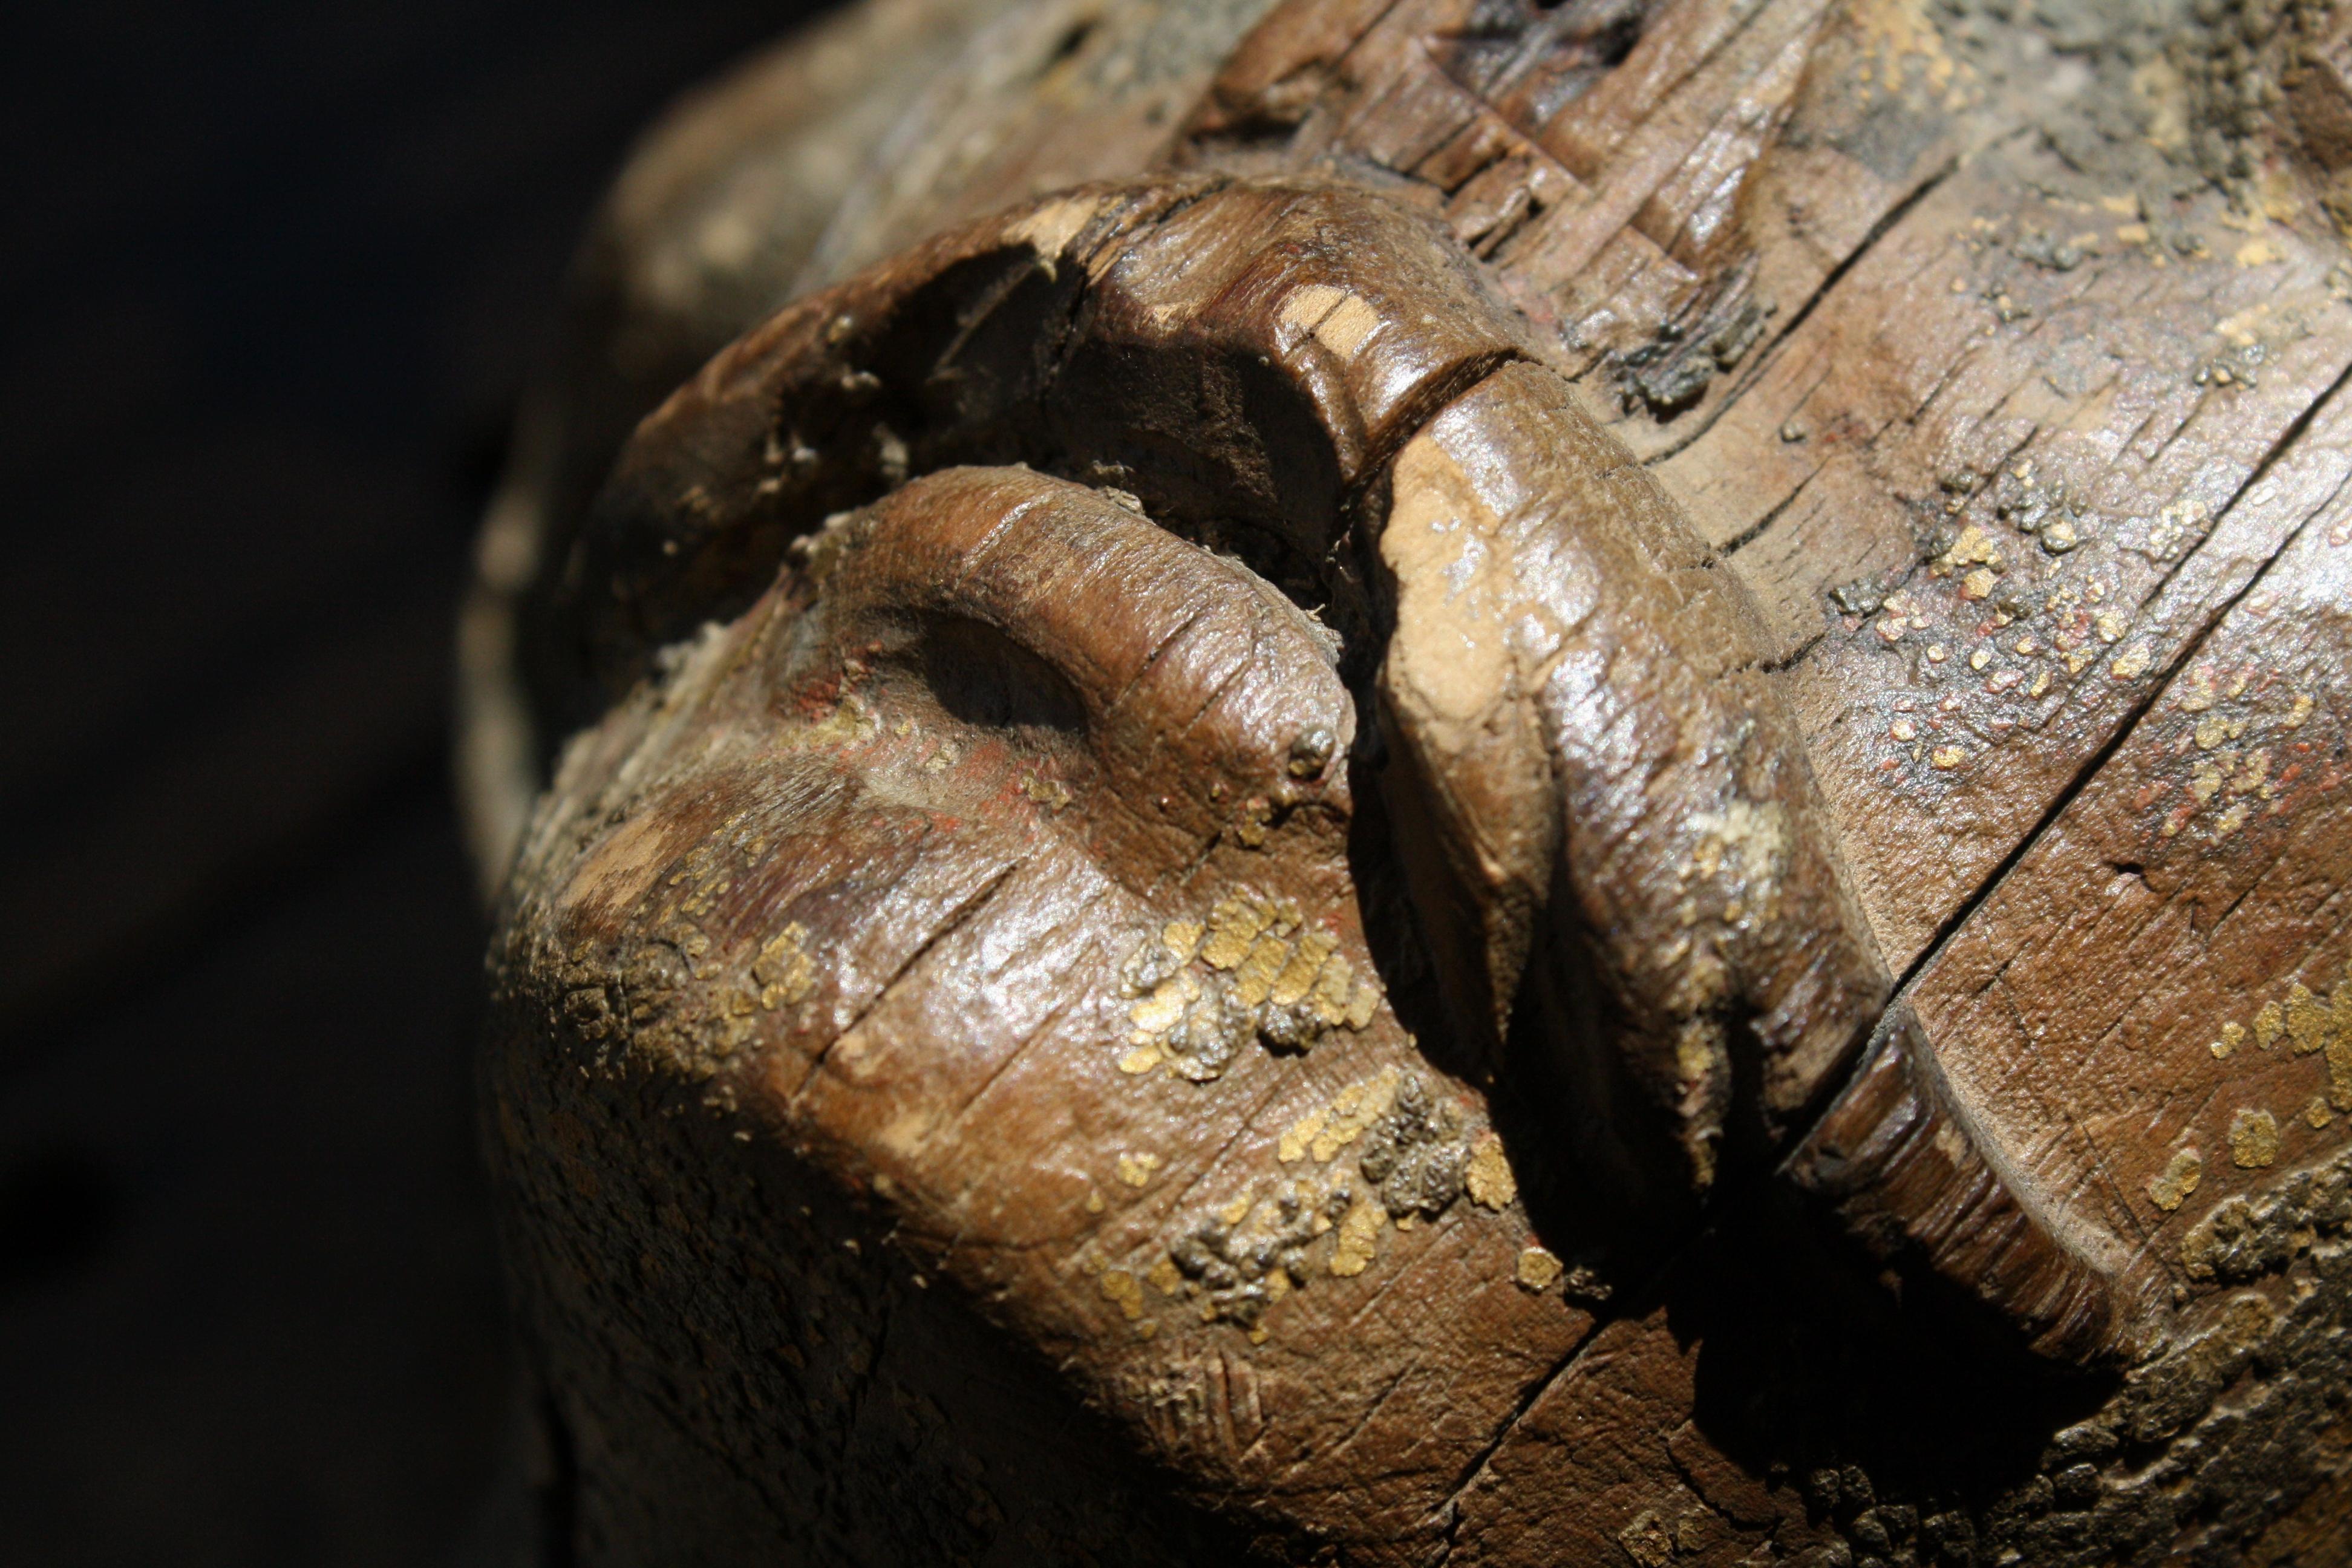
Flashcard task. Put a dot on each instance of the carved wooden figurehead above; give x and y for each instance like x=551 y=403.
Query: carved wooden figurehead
x=1193 y=907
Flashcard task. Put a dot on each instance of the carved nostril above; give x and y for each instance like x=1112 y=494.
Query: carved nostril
x=982 y=678
x=1015 y=602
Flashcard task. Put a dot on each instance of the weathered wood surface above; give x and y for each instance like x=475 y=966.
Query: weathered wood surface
x=2001 y=359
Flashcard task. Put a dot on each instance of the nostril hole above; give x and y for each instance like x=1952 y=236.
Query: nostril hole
x=1071 y=42
x=982 y=677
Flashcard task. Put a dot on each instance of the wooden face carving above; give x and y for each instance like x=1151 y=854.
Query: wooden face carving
x=1012 y=848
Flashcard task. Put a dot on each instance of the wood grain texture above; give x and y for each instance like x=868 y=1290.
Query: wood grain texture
x=2000 y=366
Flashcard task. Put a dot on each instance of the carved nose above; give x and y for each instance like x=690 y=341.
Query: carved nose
x=1602 y=802
x=1193 y=698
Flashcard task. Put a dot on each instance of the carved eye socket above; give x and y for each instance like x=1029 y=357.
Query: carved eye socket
x=1604 y=815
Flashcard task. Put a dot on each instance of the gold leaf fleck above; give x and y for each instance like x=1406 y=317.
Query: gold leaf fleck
x=783 y=968
x=1489 y=1178
x=1353 y=1110
x=1181 y=938
x=1299 y=975
x=1332 y=987
x=2253 y=1139
x=1538 y=1268
x=2171 y=1186
x=1974 y=547
x=1159 y=1012
x=1254 y=981
x=1233 y=926
x=1300 y=1136
x=2307 y=1023
x=1358 y=1241
x=1118 y=1285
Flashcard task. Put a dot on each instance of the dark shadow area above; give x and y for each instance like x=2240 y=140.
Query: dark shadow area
x=277 y=277
x=57 y=1211
x=1813 y=1367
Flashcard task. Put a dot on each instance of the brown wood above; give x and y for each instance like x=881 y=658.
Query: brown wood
x=1311 y=776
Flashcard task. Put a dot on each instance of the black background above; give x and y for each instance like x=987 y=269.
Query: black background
x=274 y=277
